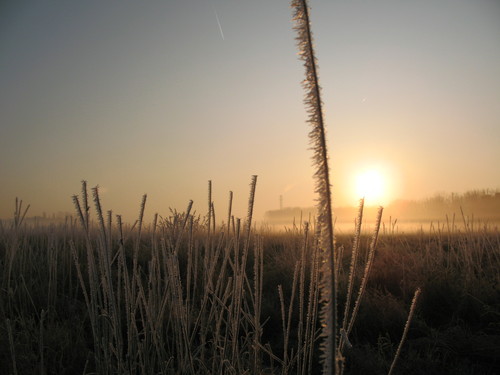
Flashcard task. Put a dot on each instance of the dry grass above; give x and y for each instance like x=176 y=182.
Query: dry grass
x=178 y=298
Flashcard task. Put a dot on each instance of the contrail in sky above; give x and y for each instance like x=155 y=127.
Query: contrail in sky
x=218 y=22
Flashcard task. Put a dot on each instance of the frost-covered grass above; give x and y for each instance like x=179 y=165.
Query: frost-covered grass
x=182 y=298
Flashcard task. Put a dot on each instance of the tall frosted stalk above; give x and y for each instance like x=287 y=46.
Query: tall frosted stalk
x=317 y=137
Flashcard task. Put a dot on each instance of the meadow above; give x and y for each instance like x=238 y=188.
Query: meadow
x=187 y=295
x=191 y=294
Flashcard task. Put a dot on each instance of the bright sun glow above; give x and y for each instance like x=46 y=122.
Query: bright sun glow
x=370 y=184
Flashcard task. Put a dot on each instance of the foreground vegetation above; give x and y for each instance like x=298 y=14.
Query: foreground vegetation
x=186 y=296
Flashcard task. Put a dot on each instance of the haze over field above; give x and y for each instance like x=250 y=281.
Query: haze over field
x=159 y=97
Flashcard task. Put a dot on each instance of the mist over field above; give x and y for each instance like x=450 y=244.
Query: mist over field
x=452 y=209
x=447 y=210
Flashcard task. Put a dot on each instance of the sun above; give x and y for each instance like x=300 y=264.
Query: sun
x=371 y=185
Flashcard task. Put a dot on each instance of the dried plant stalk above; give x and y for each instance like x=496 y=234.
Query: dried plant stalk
x=405 y=331
x=368 y=266
x=352 y=270
x=320 y=160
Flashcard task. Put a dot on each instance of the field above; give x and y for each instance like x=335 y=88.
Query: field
x=185 y=295
x=195 y=294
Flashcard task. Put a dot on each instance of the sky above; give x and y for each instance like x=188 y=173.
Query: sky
x=160 y=97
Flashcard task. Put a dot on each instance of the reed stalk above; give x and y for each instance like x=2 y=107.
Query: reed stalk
x=405 y=331
x=352 y=270
x=317 y=138
x=230 y=207
x=368 y=266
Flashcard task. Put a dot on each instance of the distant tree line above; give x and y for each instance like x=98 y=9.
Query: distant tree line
x=482 y=204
